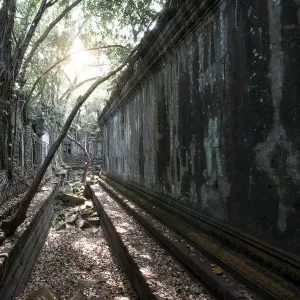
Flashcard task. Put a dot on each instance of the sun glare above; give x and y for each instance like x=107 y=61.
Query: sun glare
x=156 y=6
x=84 y=65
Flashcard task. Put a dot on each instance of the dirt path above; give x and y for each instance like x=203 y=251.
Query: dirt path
x=73 y=259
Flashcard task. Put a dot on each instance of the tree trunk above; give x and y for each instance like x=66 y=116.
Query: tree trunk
x=44 y=36
x=10 y=225
x=7 y=17
x=65 y=58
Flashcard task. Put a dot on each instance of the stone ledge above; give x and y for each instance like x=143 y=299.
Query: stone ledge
x=131 y=268
x=23 y=248
x=178 y=220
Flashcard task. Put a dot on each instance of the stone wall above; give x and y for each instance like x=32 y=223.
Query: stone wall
x=209 y=116
x=16 y=269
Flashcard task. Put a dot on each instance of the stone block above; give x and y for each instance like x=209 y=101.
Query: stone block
x=73 y=199
x=83 y=224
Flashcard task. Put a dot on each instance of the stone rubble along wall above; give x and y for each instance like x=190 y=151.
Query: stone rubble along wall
x=16 y=270
x=208 y=117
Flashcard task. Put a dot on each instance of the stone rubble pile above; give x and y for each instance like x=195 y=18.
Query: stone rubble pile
x=76 y=262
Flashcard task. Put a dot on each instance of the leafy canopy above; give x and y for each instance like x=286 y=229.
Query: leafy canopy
x=94 y=23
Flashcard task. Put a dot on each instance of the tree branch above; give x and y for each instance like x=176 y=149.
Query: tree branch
x=24 y=29
x=10 y=225
x=138 y=13
x=44 y=36
x=66 y=57
x=77 y=143
x=14 y=36
x=21 y=50
x=72 y=88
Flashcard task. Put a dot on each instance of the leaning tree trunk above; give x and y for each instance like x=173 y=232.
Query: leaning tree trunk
x=10 y=225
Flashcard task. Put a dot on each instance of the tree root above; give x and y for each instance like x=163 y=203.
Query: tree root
x=10 y=225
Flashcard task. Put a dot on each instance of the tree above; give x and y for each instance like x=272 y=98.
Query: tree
x=12 y=54
x=10 y=225
x=7 y=19
x=18 y=49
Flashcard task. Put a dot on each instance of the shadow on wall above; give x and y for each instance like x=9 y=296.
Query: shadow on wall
x=213 y=122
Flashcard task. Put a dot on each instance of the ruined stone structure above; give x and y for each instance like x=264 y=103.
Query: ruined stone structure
x=72 y=153
x=208 y=119
x=31 y=141
x=42 y=144
x=16 y=269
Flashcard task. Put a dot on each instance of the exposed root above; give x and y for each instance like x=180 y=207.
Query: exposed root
x=10 y=225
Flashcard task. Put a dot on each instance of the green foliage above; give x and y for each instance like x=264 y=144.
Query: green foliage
x=95 y=23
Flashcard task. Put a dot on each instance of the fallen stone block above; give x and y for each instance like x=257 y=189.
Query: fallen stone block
x=80 y=223
x=73 y=199
x=61 y=173
x=88 y=204
x=91 y=182
x=61 y=226
x=71 y=219
x=94 y=221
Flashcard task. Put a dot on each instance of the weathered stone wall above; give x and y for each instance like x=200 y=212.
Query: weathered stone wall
x=209 y=116
x=16 y=269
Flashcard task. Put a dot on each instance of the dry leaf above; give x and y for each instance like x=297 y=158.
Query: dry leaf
x=217 y=270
